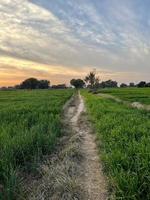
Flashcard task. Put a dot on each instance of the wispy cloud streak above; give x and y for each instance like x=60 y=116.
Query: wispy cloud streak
x=77 y=35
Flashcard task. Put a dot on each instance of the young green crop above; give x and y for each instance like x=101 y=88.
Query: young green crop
x=130 y=94
x=29 y=126
x=124 y=137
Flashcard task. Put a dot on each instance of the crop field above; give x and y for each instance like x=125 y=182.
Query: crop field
x=141 y=95
x=30 y=122
x=124 y=141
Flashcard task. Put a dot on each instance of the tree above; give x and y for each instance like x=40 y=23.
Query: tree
x=43 y=84
x=148 y=84
x=30 y=83
x=17 y=87
x=33 y=83
x=108 y=84
x=77 y=83
x=141 y=84
x=123 y=85
x=59 y=86
x=131 y=85
x=97 y=83
x=91 y=79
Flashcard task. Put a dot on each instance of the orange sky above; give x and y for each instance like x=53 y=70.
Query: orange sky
x=68 y=40
x=13 y=71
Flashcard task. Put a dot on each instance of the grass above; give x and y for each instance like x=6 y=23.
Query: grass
x=30 y=123
x=61 y=172
x=60 y=175
x=124 y=137
x=130 y=94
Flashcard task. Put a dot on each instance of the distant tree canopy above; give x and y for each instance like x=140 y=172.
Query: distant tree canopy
x=43 y=84
x=59 y=86
x=148 y=84
x=33 y=83
x=123 y=85
x=108 y=84
x=77 y=83
x=141 y=84
x=91 y=79
x=93 y=82
x=131 y=84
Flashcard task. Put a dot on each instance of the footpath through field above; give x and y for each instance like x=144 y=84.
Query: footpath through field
x=92 y=180
x=74 y=172
x=137 y=105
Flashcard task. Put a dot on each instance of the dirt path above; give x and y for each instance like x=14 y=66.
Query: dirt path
x=92 y=181
x=137 y=105
x=110 y=97
x=74 y=171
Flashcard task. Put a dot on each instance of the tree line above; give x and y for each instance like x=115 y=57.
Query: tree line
x=91 y=81
x=33 y=83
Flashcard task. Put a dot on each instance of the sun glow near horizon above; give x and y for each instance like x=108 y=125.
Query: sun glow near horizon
x=13 y=71
x=48 y=39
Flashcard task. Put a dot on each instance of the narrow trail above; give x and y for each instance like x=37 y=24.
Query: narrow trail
x=137 y=105
x=92 y=180
x=74 y=170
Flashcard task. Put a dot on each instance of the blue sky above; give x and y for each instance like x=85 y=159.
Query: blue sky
x=61 y=39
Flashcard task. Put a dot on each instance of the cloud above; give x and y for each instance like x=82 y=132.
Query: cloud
x=31 y=32
x=14 y=71
x=109 y=35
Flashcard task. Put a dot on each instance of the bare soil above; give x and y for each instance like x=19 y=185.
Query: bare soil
x=74 y=171
x=93 y=180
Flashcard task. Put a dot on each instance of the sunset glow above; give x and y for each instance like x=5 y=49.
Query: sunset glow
x=60 y=41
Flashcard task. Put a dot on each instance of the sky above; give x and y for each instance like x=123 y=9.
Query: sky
x=63 y=39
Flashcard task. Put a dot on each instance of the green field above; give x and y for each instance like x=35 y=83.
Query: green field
x=130 y=94
x=124 y=142
x=30 y=122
